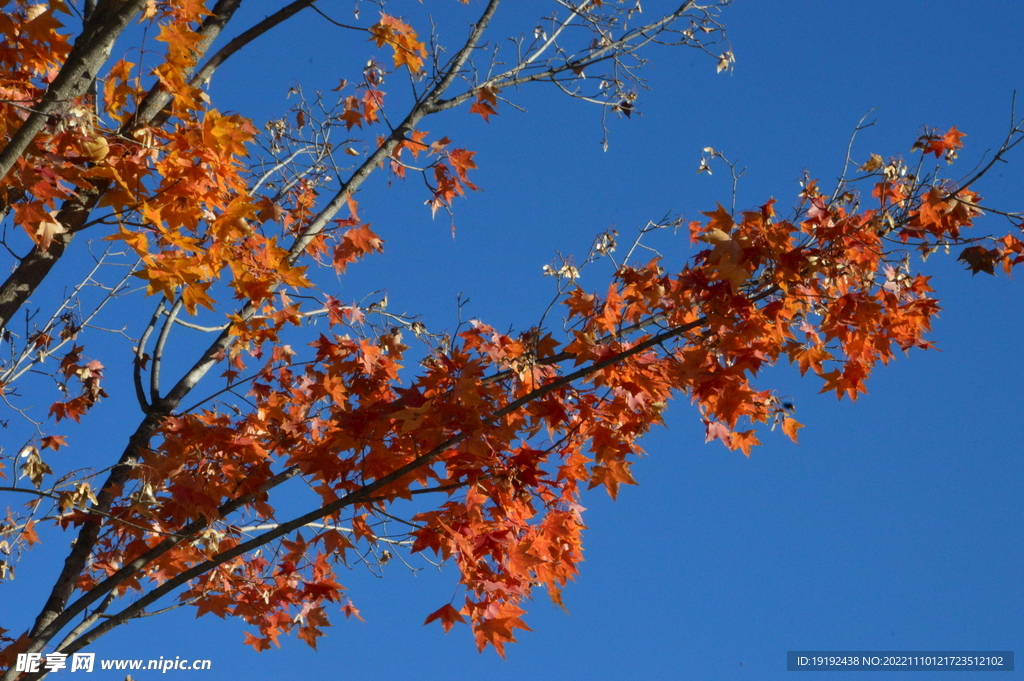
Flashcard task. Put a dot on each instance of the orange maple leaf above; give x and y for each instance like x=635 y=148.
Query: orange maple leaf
x=790 y=427
x=948 y=142
x=29 y=533
x=500 y=630
x=720 y=219
x=952 y=138
x=744 y=440
x=54 y=442
x=448 y=616
x=351 y=611
x=402 y=38
x=486 y=103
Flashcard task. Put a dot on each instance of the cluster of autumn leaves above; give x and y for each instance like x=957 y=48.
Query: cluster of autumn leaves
x=822 y=292
x=508 y=428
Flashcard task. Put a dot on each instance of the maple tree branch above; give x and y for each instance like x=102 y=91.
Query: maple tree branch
x=987 y=209
x=17 y=369
x=574 y=11
x=594 y=367
x=399 y=134
x=849 y=151
x=424 y=490
x=56 y=497
x=575 y=95
x=33 y=492
x=140 y=353
x=563 y=356
x=469 y=415
x=278 y=166
x=54 y=615
x=324 y=526
x=336 y=23
x=452 y=69
x=510 y=78
x=1016 y=131
x=36 y=265
x=197 y=327
x=161 y=611
x=158 y=350
x=185 y=576
x=203 y=75
x=89 y=620
x=230 y=388
x=59 y=620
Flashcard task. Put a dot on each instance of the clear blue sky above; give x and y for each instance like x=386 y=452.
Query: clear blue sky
x=897 y=523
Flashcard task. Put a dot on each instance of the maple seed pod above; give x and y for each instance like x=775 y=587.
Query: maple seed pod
x=715 y=236
x=144 y=136
x=96 y=148
x=242 y=225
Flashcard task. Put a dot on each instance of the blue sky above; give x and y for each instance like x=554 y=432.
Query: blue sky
x=897 y=523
